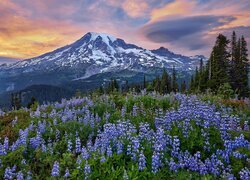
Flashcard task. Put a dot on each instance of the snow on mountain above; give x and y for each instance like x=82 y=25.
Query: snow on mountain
x=93 y=54
x=105 y=53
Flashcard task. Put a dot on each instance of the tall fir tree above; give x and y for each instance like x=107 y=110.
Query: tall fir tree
x=234 y=61
x=174 y=81
x=219 y=63
x=201 y=66
x=196 y=79
x=244 y=69
x=165 y=83
x=183 y=86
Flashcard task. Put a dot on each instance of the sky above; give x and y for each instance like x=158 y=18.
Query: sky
x=29 y=28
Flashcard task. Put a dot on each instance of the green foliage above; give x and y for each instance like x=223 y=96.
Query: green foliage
x=225 y=91
x=226 y=65
x=121 y=165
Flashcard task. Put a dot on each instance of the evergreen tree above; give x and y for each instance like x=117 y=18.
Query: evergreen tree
x=174 y=81
x=183 y=86
x=243 y=69
x=204 y=79
x=219 y=63
x=235 y=49
x=115 y=85
x=191 y=86
x=16 y=100
x=196 y=79
x=201 y=66
x=165 y=83
x=126 y=86
x=157 y=84
x=32 y=102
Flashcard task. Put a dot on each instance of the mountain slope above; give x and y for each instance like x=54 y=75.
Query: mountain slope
x=93 y=54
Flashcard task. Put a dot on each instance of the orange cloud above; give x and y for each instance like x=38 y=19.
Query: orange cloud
x=135 y=8
x=178 y=7
x=23 y=38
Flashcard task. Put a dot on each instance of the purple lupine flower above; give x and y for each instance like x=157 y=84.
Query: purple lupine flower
x=87 y=170
x=123 y=111
x=119 y=147
x=57 y=135
x=69 y=146
x=44 y=148
x=103 y=159
x=135 y=108
x=20 y=176
x=246 y=127
x=67 y=174
x=141 y=161
x=29 y=176
x=175 y=147
x=135 y=148
x=172 y=165
x=202 y=168
x=156 y=163
x=6 y=143
x=109 y=151
x=78 y=145
x=35 y=142
x=79 y=160
x=2 y=150
x=238 y=155
x=244 y=174
x=55 y=170
x=85 y=154
x=8 y=174
x=23 y=135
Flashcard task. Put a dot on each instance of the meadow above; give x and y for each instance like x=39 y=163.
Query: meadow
x=132 y=136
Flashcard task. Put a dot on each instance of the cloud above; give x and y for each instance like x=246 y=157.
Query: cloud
x=30 y=28
x=187 y=32
x=177 y=7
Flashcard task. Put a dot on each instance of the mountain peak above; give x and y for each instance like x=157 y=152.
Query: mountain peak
x=105 y=37
x=162 y=51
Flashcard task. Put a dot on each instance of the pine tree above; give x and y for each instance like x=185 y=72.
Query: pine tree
x=32 y=102
x=204 y=75
x=243 y=68
x=201 y=66
x=183 y=86
x=219 y=63
x=234 y=61
x=174 y=81
x=157 y=84
x=191 y=86
x=165 y=84
x=196 y=79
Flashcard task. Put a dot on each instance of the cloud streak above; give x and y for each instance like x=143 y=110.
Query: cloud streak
x=185 y=29
x=30 y=28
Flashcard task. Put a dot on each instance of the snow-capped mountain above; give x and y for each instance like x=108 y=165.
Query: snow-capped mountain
x=93 y=54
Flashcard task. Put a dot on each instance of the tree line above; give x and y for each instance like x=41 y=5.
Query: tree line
x=227 y=67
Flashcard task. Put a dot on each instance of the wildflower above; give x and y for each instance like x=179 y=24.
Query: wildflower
x=20 y=176
x=87 y=170
x=78 y=145
x=67 y=174
x=55 y=170
x=142 y=161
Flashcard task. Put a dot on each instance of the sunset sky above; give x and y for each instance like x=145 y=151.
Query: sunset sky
x=32 y=27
